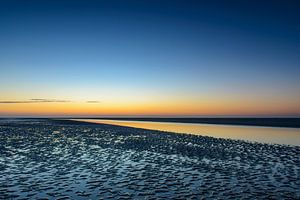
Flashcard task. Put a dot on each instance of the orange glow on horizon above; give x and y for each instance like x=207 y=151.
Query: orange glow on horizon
x=149 y=108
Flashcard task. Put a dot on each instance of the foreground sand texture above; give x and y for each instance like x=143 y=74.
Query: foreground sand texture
x=46 y=159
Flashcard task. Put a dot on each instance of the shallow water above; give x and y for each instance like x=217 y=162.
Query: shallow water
x=273 y=135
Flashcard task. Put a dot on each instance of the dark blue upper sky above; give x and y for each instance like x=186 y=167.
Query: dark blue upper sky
x=198 y=49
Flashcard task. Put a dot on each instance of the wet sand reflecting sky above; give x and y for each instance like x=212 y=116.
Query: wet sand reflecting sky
x=290 y=136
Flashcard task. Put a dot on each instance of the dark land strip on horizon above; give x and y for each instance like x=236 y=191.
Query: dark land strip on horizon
x=268 y=122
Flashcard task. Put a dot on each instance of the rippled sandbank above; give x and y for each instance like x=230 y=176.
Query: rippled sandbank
x=72 y=160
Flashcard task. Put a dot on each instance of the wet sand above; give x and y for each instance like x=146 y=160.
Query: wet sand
x=48 y=159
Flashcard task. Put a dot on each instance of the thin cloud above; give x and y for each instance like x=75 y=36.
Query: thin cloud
x=35 y=101
x=92 y=101
x=49 y=100
x=15 y=102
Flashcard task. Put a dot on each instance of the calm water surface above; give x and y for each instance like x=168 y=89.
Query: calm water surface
x=274 y=135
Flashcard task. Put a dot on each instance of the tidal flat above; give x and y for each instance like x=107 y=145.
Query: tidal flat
x=62 y=159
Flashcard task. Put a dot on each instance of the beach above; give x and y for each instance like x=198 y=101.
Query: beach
x=62 y=159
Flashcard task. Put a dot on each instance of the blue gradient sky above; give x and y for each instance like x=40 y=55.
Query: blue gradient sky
x=150 y=57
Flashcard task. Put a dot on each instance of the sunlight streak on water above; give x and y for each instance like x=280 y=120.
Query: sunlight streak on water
x=274 y=135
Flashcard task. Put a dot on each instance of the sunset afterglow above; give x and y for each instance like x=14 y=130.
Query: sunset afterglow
x=159 y=58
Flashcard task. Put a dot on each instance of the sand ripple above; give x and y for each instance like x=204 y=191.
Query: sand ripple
x=44 y=159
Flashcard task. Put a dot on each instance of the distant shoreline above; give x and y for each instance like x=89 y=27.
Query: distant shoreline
x=270 y=122
x=267 y=122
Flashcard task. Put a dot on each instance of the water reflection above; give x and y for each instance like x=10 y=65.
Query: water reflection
x=274 y=135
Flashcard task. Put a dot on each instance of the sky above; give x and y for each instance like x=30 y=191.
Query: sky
x=149 y=58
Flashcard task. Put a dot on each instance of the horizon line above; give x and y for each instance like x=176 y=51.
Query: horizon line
x=149 y=116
